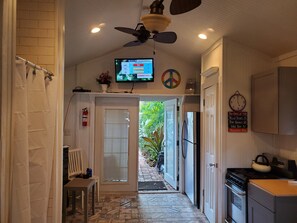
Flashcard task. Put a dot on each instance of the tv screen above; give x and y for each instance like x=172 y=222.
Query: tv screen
x=134 y=69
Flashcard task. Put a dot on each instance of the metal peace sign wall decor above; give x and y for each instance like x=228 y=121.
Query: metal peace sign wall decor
x=171 y=78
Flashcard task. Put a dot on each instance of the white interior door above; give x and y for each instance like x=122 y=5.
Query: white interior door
x=170 y=142
x=210 y=186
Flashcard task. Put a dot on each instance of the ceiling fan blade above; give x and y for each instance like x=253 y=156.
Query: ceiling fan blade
x=182 y=6
x=133 y=43
x=128 y=30
x=165 y=37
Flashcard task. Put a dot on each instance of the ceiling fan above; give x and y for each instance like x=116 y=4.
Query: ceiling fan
x=182 y=6
x=155 y=22
x=142 y=35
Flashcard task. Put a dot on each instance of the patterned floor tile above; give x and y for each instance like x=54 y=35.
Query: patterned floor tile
x=142 y=207
x=147 y=208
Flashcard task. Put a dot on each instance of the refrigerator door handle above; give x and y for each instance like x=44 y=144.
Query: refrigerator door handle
x=190 y=141
x=183 y=137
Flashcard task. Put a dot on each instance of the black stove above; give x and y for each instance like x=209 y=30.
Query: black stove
x=240 y=176
x=237 y=184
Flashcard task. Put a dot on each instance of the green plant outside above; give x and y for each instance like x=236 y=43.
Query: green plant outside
x=151 y=117
x=151 y=123
x=154 y=145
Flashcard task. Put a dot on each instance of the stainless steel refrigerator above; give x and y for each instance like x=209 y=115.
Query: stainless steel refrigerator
x=191 y=156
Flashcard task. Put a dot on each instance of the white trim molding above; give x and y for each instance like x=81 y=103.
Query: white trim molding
x=286 y=56
x=7 y=68
x=210 y=71
x=59 y=71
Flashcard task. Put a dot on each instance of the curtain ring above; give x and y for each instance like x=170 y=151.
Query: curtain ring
x=49 y=77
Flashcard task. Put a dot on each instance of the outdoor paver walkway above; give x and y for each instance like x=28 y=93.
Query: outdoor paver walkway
x=147 y=173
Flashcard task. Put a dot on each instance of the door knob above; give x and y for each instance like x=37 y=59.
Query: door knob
x=213 y=165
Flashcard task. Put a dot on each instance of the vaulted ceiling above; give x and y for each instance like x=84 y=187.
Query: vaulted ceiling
x=269 y=26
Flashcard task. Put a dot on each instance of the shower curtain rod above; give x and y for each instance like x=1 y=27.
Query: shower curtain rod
x=49 y=74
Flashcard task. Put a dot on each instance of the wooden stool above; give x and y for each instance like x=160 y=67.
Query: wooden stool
x=79 y=185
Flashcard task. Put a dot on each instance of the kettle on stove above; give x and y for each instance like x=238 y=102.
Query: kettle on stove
x=261 y=166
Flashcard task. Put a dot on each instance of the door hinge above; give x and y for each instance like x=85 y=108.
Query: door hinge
x=177 y=108
x=203 y=193
x=203 y=102
x=177 y=142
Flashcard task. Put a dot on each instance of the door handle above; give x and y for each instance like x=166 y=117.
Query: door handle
x=184 y=153
x=213 y=165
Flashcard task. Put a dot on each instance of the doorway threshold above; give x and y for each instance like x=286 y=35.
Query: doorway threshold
x=158 y=192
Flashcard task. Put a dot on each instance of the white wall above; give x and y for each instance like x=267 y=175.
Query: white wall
x=69 y=107
x=84 y=74
x=87 y=72
x=236 y=65
x=240 y=62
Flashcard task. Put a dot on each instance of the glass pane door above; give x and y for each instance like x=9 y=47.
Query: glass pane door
x=170 y=149
x=116 y=145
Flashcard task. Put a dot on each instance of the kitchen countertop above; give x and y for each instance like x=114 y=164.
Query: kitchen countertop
x=277 y=187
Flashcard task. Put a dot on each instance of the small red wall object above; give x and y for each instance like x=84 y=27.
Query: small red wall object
x=85 y=114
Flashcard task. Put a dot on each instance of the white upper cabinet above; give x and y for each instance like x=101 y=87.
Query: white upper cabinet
x=274 y=101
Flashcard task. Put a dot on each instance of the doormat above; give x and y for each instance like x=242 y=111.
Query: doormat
x=151 y=185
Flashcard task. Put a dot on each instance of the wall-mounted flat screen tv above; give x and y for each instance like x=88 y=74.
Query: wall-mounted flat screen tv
x=134 y=70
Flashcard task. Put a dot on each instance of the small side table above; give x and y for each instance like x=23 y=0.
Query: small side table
x=79 y=185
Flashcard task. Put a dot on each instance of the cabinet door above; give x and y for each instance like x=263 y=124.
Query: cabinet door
x=287 y=100
x=265 y=103
x=258 y=214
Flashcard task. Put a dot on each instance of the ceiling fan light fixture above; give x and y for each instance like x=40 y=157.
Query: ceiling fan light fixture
x=155 y=22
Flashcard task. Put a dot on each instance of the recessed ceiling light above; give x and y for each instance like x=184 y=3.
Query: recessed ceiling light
x=202 y=36
x=95 y=30
x=210 y=29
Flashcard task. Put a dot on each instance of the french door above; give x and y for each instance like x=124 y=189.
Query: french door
x=170 y=149
x=116 y=143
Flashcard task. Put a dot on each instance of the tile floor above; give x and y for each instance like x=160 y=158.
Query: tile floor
x=142 y=207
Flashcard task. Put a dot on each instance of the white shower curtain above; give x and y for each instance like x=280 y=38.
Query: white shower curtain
x=33 y=132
